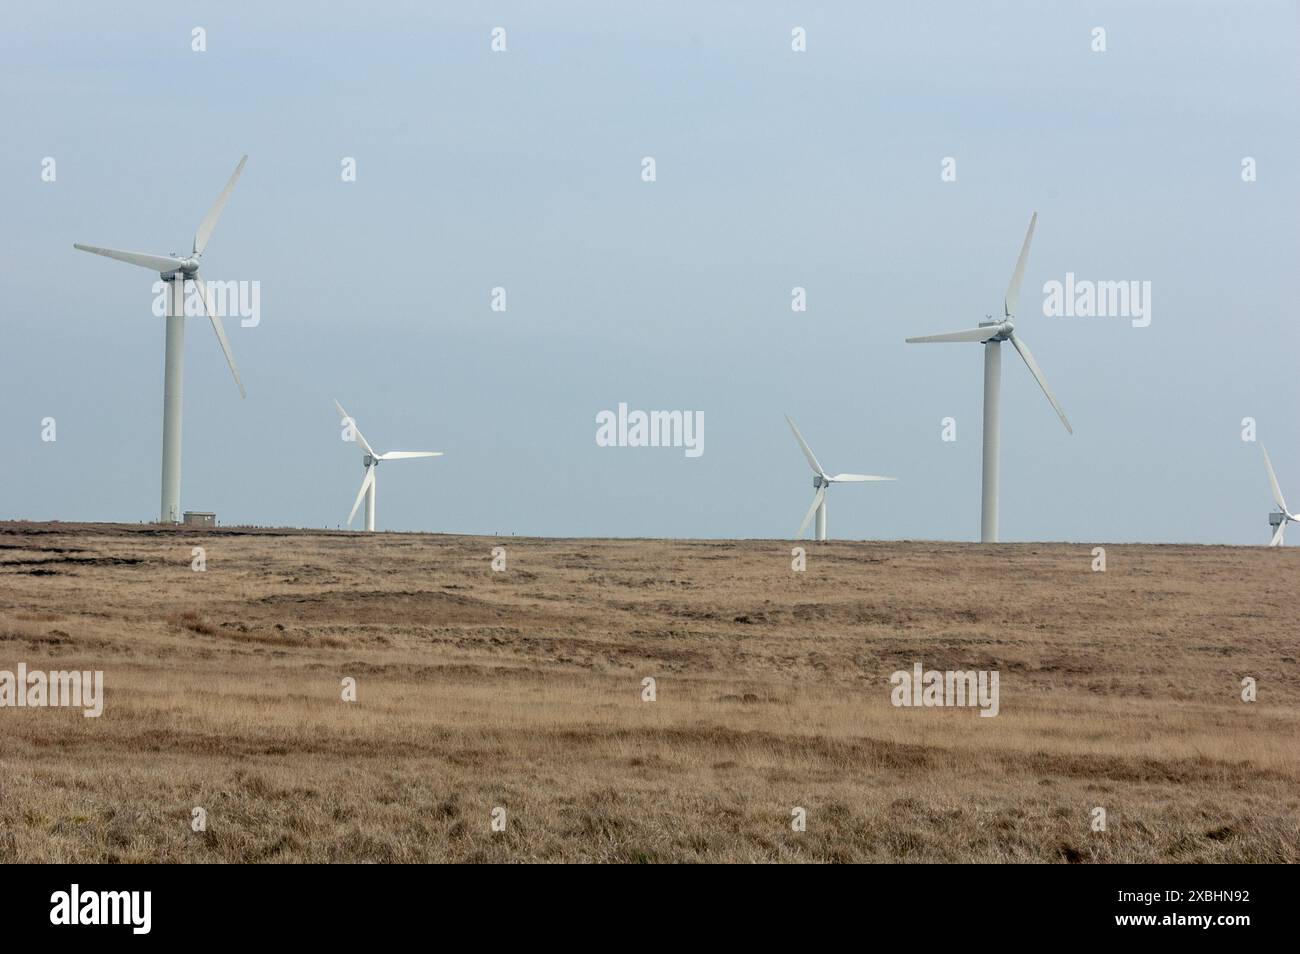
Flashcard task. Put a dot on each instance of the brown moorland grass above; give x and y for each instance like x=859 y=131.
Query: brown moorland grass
x=522 y=689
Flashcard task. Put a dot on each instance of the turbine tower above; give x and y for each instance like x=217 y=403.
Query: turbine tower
x=176 y=272
x=1277 y=520
x=371 y=461
x=991 y=334
x=821 y=483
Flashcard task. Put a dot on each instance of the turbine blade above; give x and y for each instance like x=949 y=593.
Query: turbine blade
x=1038 y=376
x=857 y=478
x=361 y=494
x=1278 y=535
x=807 y=451
x=221 y=332
x=817 y=499
x=356 y=430
x=1011 y=301
x=1272 y=480
x=405 y=455
x=973 y=334
x=210 y=220
x=155 y=263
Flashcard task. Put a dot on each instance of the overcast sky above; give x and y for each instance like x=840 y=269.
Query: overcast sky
x=775 y=169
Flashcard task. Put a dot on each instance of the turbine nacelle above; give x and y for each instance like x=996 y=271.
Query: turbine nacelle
x=186 y=268
x=1005 y=329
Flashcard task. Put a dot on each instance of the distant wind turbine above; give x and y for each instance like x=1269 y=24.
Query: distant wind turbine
x=1278 y=520
x=821 y=483
x=991 y=334
x=371 y=461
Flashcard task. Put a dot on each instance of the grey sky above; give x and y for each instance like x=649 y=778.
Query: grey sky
x=775 y=169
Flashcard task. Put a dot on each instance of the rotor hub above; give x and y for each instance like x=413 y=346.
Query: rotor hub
x=1004 y=329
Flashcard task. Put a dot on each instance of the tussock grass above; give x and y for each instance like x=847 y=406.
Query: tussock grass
x=523 y=690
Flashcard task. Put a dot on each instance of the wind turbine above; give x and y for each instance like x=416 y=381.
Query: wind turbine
x=1279 y=520
x=822 y=482
x=371 y=461
x=991 y=334
x=176 y=272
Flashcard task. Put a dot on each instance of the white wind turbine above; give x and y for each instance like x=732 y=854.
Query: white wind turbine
x=822 y=482
x=992 y=333
x=1278 y=520
x=176 y=272
x=371 y=461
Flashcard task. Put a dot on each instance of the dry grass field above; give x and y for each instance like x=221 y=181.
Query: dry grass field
x=522 y=689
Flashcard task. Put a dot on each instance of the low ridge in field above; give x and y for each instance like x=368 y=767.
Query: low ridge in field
x=523 y=690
